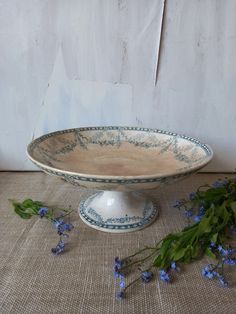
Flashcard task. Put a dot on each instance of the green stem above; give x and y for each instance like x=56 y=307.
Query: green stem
x=68 y=213
x=145 y=249
x=141 y=260
x=132 y=282
x=139 y=252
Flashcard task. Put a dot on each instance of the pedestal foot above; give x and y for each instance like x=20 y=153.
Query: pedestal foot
x=117 y=211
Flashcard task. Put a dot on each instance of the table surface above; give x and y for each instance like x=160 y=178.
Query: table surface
x=80 y=280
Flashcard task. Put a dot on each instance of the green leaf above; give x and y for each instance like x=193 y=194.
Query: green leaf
x=166 y=245
x=27 y=203
x=29 y=211
x=157 y=262
x=179 y=254
x=21 y=213
x=209 y=253
x=195 y=251
x=204 y=226
x=214 y=238
x=34 y=205
x=233 y=207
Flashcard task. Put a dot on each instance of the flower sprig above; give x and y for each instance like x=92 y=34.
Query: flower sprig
x=29 y=208
x=213 y=211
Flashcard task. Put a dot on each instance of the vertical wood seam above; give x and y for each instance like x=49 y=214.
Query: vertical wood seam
x=160 y=42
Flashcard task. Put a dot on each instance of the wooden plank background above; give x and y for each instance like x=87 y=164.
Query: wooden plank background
x=153 y=63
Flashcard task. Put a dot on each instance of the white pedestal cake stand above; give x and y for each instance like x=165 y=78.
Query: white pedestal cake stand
x=119 y=161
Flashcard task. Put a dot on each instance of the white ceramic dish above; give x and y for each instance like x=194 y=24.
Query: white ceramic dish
x=118 y=161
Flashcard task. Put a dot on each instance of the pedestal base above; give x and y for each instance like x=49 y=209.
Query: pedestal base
x=117 y=211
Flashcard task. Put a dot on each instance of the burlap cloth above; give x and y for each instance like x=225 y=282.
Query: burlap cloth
x=81 y=279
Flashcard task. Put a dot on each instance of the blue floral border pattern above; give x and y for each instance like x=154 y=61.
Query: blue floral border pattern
x=76 y=179
x=117 y=223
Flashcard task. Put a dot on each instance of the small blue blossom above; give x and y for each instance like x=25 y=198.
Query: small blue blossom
x=119 y=262
x=208 y=267
x=174 y=266
x=164 y=276
x=68 y=226
x=198 y=218
x=219 y=184
x=42 y=211
x=207 y=274
x=122 y=284
x=192 y=195
x=208 y=271
x=212 y=245
x=223 y=282
x=202 y=211
x=117 y=272
x=58 y=222
x=59 y=248
x=146 y=276
x=62 y=226
x=230 y=261
x=188 y=213
x=223 y=251
x=118 y=275
x=120 y=295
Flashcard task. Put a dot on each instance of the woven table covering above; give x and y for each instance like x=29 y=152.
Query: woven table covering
x=81 y=279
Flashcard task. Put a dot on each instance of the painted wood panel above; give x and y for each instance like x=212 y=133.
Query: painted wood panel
x=195 y=93
x=80 y=63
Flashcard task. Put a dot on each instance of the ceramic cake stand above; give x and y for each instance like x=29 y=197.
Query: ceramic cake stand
x=118 y=161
